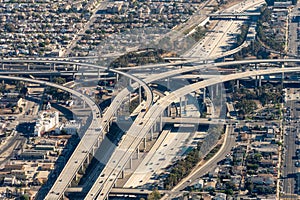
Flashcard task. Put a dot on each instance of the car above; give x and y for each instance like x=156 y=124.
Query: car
x=297 y=164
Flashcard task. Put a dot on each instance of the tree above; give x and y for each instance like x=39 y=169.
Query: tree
x=10 y=27
x=24 y=197
x=23 y=91
x=63 y=132
x=59 y=80
x=154 y=195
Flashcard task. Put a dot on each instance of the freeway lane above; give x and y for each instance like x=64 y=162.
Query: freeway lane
x=141 y=83
x=142 y=126
x=93 y=134
x=211 y=164
x=75 y=160
x=92 y=139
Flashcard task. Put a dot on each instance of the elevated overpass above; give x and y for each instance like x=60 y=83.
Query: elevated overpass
x=142 y=125
x=233 y=15
x=76 y=160
x=173 y=73
x=95 y=132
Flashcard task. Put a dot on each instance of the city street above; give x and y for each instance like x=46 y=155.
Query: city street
x=291 y=128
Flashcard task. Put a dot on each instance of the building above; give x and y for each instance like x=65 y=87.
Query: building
x=47 y=120
x=42 y=176
x=9 y=102
x=9 y=181
x=71 y=128
x=32 y=155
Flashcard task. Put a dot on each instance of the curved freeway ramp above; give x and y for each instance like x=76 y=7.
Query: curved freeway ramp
x=143 y=124
x=96 y=130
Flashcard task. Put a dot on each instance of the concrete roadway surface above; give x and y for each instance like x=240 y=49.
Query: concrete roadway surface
x=88 y=139
x=170 y=145
x=211 y=164
x=144 y=123
x=223 y=34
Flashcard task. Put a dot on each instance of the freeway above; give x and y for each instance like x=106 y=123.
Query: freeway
x=170 y=73
x=234 y=14
x=211 y=164
x=198 y=63
x=223 y=34
x=92 y=136
x=194 y=120
x=76 y=160
x=143 y=124
x=89 y=65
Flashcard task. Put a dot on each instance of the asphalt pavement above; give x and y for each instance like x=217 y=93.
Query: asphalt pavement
x=291 y=129
x=211 y=164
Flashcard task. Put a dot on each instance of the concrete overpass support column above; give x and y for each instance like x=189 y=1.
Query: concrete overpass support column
x=54 y=67
x=87 y=161
x=151 y=133
x=155 y=127
x=185 y=102
x=102 y=134
x=77 y=177
x=130 y=81
x=129 y=98
x=82 y=167
x=2 y=64
x=93 y=151
x=122 y=174
x=98 y=73
x=138 y=152
x=211 y=93
x=145 y=144
x=169 y=111
x=140 y=94
x=217 y=89
x=117 y=77
x=204 y=93
x=180 y=106
x=130 y=162
x=168 y=84
x=160 y=124
x=259 y=81
x=28 y=66
x=98 y=143
x=237 y=83
x=256 y=81
x=84 y=104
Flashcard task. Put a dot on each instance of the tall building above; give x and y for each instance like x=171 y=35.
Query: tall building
x=47 y=120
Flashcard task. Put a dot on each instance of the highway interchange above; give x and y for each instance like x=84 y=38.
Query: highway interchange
x=146 y=119
x=154 y=113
